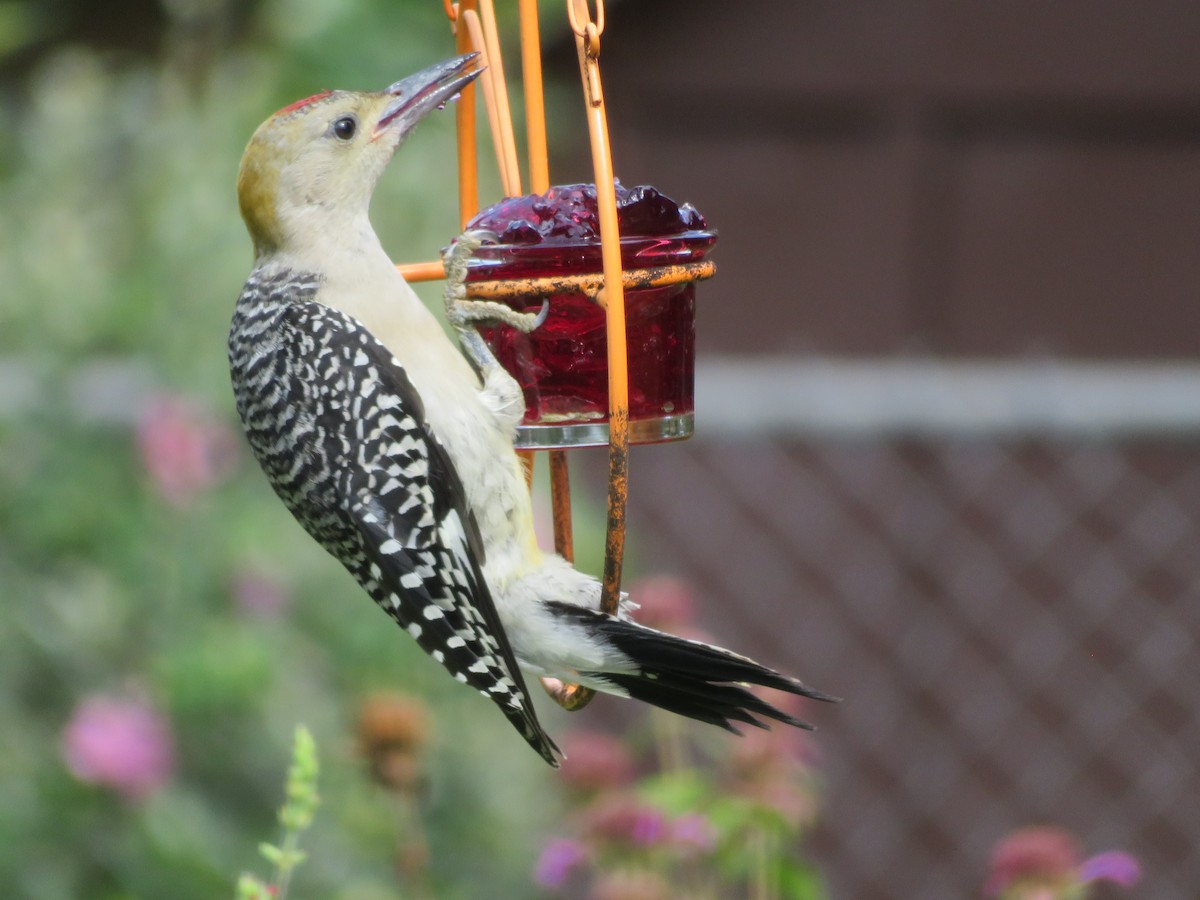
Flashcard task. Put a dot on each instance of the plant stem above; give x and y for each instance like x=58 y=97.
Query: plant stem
x=287 y=864
x=764 y=884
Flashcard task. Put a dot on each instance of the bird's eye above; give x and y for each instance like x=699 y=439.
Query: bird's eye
x=345 y=127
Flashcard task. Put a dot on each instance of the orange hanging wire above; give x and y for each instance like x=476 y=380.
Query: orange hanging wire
x=480 y=23
x=474 y=25
x=504 y=125
x=468 y=151
x=539 y=183
x=612 y=298
x=464 y=123
x=535 y=104
x=468 y=19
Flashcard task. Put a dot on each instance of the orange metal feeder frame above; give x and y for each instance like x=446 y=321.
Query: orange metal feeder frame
x=473 y=23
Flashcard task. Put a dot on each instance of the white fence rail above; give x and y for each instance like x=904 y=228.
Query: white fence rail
x=815 y=397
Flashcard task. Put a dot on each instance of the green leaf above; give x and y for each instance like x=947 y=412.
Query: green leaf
x=271 y=853
x=799 y=881
x=678 y=792
x=302 y=800
x=250 y=888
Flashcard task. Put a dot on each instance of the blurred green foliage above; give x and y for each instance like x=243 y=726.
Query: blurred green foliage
x=121 y=246
x=295 y=816
x=166 y=624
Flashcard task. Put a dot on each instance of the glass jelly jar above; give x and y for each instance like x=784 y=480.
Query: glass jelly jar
x=562 y=366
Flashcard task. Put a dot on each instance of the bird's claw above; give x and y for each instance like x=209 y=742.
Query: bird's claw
x=480 y=236
x=540 y=319
x=464 y=313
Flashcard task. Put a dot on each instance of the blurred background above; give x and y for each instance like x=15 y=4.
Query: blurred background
x=947 y=461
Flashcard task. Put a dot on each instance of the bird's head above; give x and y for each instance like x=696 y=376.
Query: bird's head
x=317 y=161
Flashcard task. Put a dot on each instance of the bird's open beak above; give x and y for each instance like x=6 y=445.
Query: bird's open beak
x=417 y=94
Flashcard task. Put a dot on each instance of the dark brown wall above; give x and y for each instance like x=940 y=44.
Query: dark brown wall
x=1011 y=622
x=950 y=177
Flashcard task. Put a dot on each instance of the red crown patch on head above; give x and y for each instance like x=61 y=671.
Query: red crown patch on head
x=292 y=107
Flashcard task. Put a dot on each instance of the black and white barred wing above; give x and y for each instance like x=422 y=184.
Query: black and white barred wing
x=419 y=548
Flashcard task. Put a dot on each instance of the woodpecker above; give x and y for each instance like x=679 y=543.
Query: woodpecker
x=394 y=450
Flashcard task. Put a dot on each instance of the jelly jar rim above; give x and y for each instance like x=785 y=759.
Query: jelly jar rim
x=691 y=234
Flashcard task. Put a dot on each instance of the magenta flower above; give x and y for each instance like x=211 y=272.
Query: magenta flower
x=559 y=859
x=120 y=744
x=649 y=827
x=1116 y=866
x=184 y=451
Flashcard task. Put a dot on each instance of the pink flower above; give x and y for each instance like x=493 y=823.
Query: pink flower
x=184 y=451
x=121 y=744
x=595 y=761
x=1039 y=855
x=793 y=801
x=632 y=884
x=1046 y=861
x=560 y=857
x=773 y=769
x=665 y=602
x=761 y=752
x=258 y=594
x=693 y=832
x=623 y=818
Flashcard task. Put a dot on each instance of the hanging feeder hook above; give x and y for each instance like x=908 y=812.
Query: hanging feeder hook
x=581 y=9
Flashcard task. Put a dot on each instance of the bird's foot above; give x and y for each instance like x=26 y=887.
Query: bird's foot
x=464 y=313
x=500 y=391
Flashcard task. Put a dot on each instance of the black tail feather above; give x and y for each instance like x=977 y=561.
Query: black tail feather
x=690 y=678
x=717 y=704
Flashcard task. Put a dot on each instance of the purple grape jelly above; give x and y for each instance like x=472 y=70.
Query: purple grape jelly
x=562 y=366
